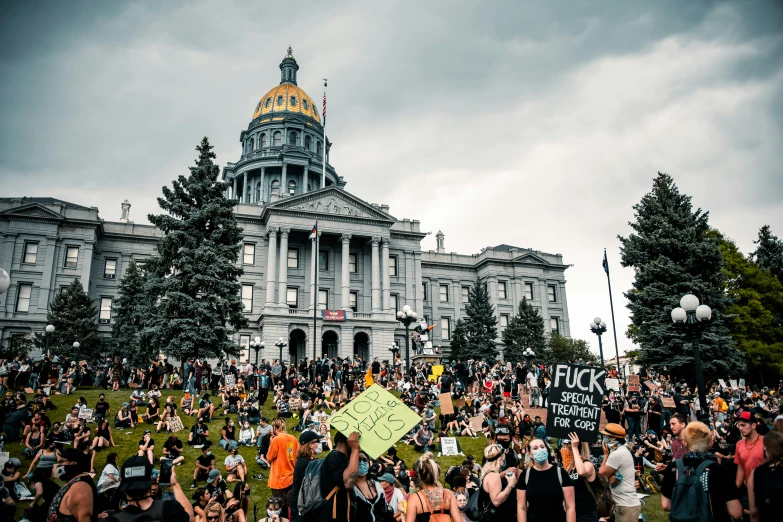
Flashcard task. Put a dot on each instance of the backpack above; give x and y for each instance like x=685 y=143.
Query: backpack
x=153 y=514
x=689 y=496
x=477 y=510
x=310 y=501
x=601 y=491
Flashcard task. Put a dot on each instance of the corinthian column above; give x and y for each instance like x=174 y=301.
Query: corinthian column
x=385 y=271
x=282 y=284
x=270 y=266
x=346 y=273
x=375 y=283
x=313 y=268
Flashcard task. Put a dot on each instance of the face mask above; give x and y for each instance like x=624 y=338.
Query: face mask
x=364 y=468
x=273 y=513
x=504 y=443
x=319 y=449
x=540 y=455
x=231 y=424
x=66 y=471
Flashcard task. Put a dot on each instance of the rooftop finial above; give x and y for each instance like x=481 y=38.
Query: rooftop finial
x=290 y=53
x=288 y=68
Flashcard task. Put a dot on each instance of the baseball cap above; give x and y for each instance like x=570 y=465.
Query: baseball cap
x=213 y=475
x=747 y=416
x=309 y=436
x=135 y=475
x=387 y=477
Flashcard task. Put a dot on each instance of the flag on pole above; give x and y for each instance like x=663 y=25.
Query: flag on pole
x=605 y=264
x=324 y=111
x=314 y=233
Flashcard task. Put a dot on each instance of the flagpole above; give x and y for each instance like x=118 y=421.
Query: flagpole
x=323 y=164
x=317 y=294
x=611 y=306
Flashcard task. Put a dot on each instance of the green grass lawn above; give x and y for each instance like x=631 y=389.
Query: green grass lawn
x=127 y=445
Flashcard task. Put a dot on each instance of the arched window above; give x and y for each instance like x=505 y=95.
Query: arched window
x=268 y=102
x=307 y=142
x=305 y=105
x=292 y=187
x=293 y=101
x=263 y=141
x=250 y=145
x=275 y=186
x=318 y=149
x=278 y=139
x=292 y=138
x=258 y=191
x=280 y=100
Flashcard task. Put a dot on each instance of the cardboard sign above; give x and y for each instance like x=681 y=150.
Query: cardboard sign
x=380 y=418
x=448 y=446
x=651 y=385
x=446 y=406
x=612 y=384
x=722 y=383
x=229 y=380
x=460 y=403
x=733 y=383
x=295 y=403
x=85 y=413
x=667 y=402
x=633 y=384
x=575 y=402
x=476 y=422
x=175 y=424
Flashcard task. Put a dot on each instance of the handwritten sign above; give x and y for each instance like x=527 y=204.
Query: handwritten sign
x=476 y=423
x=4 y=456
x=446 y=406
x=175 y=424
x=651 y=385
x=85 y=413
x=230 y=382
x=733 y=383
x=633 y=383
x=742 y=384
x=722 y=383
x=612 y=384
x=380 y=418
x=575 y=402
x=667 y=402
x=449 y=446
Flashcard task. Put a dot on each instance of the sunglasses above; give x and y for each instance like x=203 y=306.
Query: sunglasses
x=274 y=500
x=216 y=517
x=502 y=431
x=364 y=460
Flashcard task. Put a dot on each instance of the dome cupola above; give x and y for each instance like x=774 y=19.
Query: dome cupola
x=288 y=68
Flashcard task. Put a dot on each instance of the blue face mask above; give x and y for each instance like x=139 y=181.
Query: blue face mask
x=364 y=468
x=540 y=455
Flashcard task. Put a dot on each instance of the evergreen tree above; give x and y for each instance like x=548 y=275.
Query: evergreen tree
x=562 y=349
x=459 y=342
x=75 y=319
x=525 y=330
x=481 y=325
x=128 y=317
x=754 y=317
x=673 y=254
x=193 y=290
x=769 y=252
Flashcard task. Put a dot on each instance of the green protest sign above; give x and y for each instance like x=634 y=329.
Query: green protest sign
x=380 y=418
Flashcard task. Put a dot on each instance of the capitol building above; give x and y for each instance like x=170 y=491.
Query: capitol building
x=370 y=263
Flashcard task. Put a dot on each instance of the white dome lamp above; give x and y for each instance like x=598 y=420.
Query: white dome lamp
x=689 y=302
x=703 y=313
x=5 y=281
x=76 y=345
x=49 y=331
x=598 y=327
x=691 y=313
x=679 y=315
x=407 y=316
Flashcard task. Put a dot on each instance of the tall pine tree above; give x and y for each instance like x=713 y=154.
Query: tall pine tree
x=481 y=324
x=75 y=319
x=673 y=254
x=459 y=342
x=525 y=330
x=769 y=252
x=193 y=287
x=128 y=317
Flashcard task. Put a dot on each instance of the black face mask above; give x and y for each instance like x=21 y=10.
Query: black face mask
x=504 y=443
x=67 y=472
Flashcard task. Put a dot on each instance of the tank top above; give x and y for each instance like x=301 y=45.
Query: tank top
x=47 y=461
x=425 y=515
x=54 y=508
x=103 y=432
x=509 y=507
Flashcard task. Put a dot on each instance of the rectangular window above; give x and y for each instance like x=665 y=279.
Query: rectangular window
x=445 y=328
x=465 y=294
x=554 y=323
x=352 y=263
x=110 y=269
x=244 y=341
x=247 y=298
x=552 y=293
x=444 y=293
x=502 y=290
x=395 y=303
x=292 y=297
x=352 y=300
x=249 y=254
x=71 y=256
x=105 y=314
x=293 y=258
x=529 y=291
x=23 y=298
x=393 y=266
x=323 y=260
x=503 y=321
x=323 y=299
x=424 y=290
x=30 y=253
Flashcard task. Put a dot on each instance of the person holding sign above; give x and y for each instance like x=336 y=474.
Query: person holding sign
x=576 y=461
x=543 y=488
x=340 y=469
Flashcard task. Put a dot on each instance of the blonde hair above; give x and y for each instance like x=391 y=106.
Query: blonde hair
x=492 y=451
x=428 y=470
x=697 y=437
x=213 y=508
x=279 y=424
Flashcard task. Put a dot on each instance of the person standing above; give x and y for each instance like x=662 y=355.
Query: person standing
x=497 y=485
x=281 y=457
x=338 y=478
x=750 y=450
x=765 y=485
x=544 y=492
x=583 y=476
x=432 y=498
x=619 y=469
x=309 y=444
x=76 y=499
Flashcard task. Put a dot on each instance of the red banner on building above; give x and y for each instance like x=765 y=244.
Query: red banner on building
x=333 y=315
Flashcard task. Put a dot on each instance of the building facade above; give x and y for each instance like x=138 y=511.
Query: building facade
x=370 y=264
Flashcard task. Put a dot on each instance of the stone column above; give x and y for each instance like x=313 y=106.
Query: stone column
x=305 y=174
x=47 y=278
x=565 y=327
x=419 y=308
x=234 y=189
x=313 y=268
x=282 y=282
x=284 y=182
x=243 y=199
x=270 y=266
x=263 y=183
x=456 y=300
x=87 y=266
x=409 y=272
x=345 y=300
x=519 y=293
x=435 y=299
x=544 y=304
x=386 y=277
x=376 y=283
x=8 y=256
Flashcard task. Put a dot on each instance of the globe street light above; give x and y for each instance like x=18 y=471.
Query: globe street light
x=257 y=344
x=695 y=317
x=5 y=281
x=598 y=327
x=49 y=331
x=281 y=344
x=407 y=317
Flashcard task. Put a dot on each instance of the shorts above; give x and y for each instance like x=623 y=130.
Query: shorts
x=506 y=394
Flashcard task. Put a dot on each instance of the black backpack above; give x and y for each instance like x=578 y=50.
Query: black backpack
x=690 y=502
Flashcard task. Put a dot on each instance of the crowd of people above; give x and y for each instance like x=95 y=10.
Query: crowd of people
x=726 y=458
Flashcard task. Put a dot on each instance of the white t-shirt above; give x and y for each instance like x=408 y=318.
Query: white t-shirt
x=233 y=460
x=625 y=493
x=532 y=380
x=105 y=481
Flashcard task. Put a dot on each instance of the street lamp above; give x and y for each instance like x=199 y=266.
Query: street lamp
x=598 y=327
x=281 y=344
x=49 y=331
x=695 y=317
x=407 y=317
x=257 y=344
x=5 y=281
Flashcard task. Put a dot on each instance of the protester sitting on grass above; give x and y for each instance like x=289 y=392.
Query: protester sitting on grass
x=103 y=437
x=201 y=500
x=172 y=449
x=198 y=433
x=204 y=464
x=186 y=405
x=235 y=466
x=228 y=435
x=123 y=418
x=205 y=408
x=238 y=506
x=422 y=441
x=147 y=446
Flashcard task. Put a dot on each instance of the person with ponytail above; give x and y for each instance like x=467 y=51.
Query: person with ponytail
x=765 y=491
x=542 y=487
x=497 y=484
x=432 y=503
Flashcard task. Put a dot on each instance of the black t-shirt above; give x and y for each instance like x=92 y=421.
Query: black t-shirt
x=583 y=499
x=152 y=410
x=544 y=494
x=332 y=475
x=205 y=460
x=768 y=490
x=218 y=490
x=445 y=384
x=101 y=408
x=172 y=511
x=721 y=487
x=170 y=443
x=299 y=472
x=376 y=367
x=151 y=444
x=612 y=415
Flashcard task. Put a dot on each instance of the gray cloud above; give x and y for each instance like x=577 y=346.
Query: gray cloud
x=530 y=123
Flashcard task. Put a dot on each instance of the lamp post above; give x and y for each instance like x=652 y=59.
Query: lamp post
x=5 y=281
x=281 y=344
x=257 y=344
x=528 y=353
x=695 y=317
x=407 y=317
x=598 y=327
x=49 y=331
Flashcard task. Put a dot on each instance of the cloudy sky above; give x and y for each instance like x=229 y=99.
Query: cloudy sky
x=537 y=124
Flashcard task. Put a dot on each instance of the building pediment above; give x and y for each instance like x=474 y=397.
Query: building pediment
x=34 y=210
x=331 y=201
x=532 y=259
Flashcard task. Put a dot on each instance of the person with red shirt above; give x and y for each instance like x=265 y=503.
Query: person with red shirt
x=750 y=450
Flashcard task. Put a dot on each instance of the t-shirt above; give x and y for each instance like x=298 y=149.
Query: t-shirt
x=101 y=408
x=335 y=463
x=170 y=443
x=233 y=460
x=624 y=493
x=150 y=445
x=206 y=460
x=218 y=491
x=263 y=430
x=749 y=459
x=172 y=511
x=282 y=455
x=720 y=486
x=544 y=494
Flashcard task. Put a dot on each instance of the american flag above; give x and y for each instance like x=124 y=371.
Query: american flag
x=324 y=122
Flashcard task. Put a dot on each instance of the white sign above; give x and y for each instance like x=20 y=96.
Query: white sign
x=742 y=384
x=230 y=380
x=175 y=424
x=85 y=413
x=448 y=446
x=612 y=384
x=4 y=456
x=733 y=383
x=722 y=383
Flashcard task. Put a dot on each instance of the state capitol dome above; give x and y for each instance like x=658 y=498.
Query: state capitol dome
x=287 y=97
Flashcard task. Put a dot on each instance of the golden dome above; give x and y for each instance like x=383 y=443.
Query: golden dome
x=287 y=97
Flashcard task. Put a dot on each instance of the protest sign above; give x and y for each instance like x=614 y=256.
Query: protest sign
x=722 y=383
x=612 y=384
x=446 y=406
x=4 y=456
x=448 y=446
x=575 y=402
x=229 y=379
x=633 y=383
x=476 y=422
x=742 y=384
x=85 y=413
x=733 y=383
x=175 y=424
x=651 y=385
x=380 y=418
x=667 y=402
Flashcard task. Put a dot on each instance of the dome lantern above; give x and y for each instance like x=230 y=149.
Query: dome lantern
x=288 y=68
